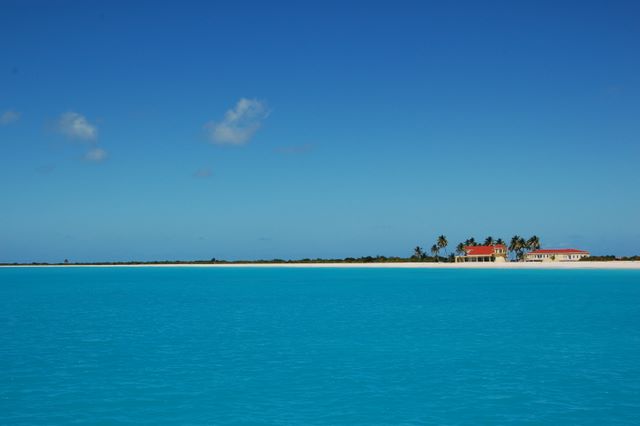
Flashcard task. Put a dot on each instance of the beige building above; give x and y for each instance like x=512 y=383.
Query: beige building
x=555 y=255
x=495 y=253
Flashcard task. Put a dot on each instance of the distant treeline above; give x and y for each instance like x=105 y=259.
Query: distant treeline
x=608 y=258
x=363 y=259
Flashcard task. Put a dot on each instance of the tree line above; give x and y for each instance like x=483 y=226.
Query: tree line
x=518 y=246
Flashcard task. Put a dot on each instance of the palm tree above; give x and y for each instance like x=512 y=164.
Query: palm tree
x=489 y=241
x=434 y=251
x=443 y=243
x=522 y=244
x=514 y=245
x=460 y=249
x=418 y=253
x=533 y=243
x=500 y=241
x=470 y=242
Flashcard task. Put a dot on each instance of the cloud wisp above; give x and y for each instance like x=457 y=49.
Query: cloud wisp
x=239 y=123
x=9 y=117
x=95 y=155
x=76 y=126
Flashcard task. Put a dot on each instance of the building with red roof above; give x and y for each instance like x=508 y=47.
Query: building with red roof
x=555 y=255
x=493 y=253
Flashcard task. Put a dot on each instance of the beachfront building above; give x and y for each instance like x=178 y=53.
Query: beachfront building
x=555 y=255
x=494 y=253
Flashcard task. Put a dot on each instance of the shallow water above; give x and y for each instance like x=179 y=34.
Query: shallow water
x=318 y=346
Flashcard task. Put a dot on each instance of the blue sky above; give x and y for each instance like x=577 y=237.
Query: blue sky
x=187 y=130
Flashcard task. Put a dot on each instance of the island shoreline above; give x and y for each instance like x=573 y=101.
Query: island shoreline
x=620 y=265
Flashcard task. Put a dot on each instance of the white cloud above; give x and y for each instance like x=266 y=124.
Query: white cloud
x=239 y=124
x=8 y=117
x=96 y=154
x=76 y=126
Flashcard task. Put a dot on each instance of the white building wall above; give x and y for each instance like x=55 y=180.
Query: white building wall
x=551 y=257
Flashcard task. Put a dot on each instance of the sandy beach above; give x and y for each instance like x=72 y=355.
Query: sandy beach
x=416 y=265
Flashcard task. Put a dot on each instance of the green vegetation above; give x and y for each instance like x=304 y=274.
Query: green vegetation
x=418 y=253
x=533 y=243
x=434 y=250
x=518 y=245
x=363 y=259
x=442 y=244
x=608 y=258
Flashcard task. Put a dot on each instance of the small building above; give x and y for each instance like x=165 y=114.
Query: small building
x=494 y=253
x=555 y=255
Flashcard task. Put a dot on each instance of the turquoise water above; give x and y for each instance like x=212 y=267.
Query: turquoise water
x=318 y=346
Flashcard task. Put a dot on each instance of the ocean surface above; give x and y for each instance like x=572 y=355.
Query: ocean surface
x=278 y=346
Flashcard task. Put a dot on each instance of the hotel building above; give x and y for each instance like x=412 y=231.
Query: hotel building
x=555 y=255
x=494 y=253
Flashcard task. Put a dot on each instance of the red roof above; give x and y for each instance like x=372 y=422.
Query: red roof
x=558 y=251
x=483 y=250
